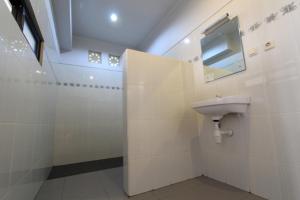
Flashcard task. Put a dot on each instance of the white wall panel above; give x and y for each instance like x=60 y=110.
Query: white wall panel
x=27 y=109
x=161 y=129
x=265 y=139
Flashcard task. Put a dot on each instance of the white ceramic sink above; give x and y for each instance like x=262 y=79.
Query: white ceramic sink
x=220 y=106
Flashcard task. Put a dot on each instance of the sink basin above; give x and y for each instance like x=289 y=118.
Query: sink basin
x=220 y=106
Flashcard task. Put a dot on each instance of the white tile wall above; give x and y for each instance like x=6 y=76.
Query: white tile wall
x=88 y=120
x=263 y=153
x=27 y=110
x=162 y=140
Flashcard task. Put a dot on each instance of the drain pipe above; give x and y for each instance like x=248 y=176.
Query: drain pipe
x=218 y=133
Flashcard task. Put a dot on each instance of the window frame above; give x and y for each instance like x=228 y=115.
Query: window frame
x=22 y=11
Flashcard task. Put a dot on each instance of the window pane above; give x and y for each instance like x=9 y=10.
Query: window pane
x=29 y=36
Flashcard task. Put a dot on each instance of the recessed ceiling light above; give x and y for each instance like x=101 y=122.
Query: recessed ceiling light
x=91 y=77
x=186 y=41
x=114 y=17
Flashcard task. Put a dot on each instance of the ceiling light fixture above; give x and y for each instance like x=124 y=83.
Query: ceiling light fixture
x=186 y=41
x=91 y=77
x=114 y=17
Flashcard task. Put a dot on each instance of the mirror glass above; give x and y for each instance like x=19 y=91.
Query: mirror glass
x=222 y=51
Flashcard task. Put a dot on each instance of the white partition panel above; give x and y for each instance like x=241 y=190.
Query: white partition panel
x=161 y=138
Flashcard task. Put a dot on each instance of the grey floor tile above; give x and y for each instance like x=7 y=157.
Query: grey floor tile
x=253 y=197
x=108 y=185
x=145 y=196
x=201 y=188
x=113 y=183
x=84 y=187
x=51 y=190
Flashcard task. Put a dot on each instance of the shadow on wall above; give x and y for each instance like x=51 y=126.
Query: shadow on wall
x=229 y=161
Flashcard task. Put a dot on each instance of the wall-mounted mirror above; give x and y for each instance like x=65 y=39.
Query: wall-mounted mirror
x=222 y=49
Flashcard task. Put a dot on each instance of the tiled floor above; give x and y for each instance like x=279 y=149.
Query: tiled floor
x=107 y=185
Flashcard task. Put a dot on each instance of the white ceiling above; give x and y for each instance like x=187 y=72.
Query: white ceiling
x=91 y=19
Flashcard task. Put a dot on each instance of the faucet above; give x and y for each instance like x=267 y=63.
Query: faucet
x=218 y=96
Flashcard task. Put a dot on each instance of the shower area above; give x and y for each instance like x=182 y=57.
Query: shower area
x=89 y=119
x=132 y=124
x=89 y=114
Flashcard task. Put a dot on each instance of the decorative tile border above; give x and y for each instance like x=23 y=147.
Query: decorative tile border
x=255 y=26
x=286 y=9
x=272 y=17
x=65 y=84
x=196 y=59
x=58 y=83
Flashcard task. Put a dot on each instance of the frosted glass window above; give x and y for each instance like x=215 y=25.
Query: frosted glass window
x=24 y=15
x=95 y=57
x=114 y=61
x=29 y=36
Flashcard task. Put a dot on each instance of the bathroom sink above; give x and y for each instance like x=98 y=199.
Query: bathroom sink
x=220 y=106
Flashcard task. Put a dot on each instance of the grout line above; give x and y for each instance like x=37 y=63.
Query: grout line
x=50 y=64
x=89 y=68
x=63 y=189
